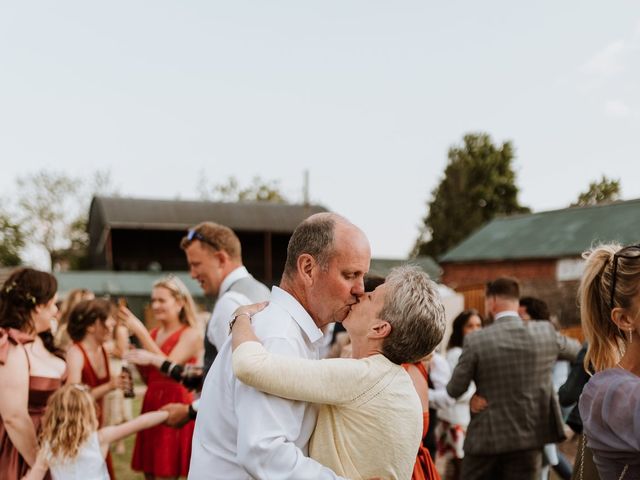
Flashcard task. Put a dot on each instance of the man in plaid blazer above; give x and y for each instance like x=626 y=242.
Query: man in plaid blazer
x=510 y=362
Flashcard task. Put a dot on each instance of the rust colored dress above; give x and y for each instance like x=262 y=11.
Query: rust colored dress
x=12 y=465
x=424 y=468
x=164 y=451
x=91 y=380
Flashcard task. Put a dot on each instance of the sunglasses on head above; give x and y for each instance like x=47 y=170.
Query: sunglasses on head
x=632 y=251
x=193 y=234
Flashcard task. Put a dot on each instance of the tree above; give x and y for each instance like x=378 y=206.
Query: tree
x=11 y=242
x=231 y=191
x=605 y=191
x=53 y=212
x=478 y=184
x=48 y=203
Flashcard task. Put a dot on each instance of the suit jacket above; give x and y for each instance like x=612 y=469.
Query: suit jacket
x=510 y=362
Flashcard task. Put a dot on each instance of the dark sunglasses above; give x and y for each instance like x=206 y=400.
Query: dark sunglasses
x=630 y=252
x=193 y=234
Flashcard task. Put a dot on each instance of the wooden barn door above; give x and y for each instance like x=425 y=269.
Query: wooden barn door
x=474 y=297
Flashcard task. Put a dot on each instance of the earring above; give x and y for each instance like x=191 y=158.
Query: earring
x=630 y=336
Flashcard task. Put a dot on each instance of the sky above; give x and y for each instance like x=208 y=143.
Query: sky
x=365 y=95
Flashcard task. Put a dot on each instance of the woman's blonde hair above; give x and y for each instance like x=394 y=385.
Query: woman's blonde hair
x=179 y=291
x=597 y=300
x=69 y=419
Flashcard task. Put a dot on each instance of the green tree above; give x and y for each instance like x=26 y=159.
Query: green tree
x=11 y=242
x=605 y=191
x=478 y=184
x=48 y=204
x=259 y=190
x=54 y=209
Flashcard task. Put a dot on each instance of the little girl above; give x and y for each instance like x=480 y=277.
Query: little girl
x=71 y=446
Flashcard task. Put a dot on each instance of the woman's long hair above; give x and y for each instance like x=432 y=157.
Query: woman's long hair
x=21 y=293
x=69 y=419
x=73 y=298
x=457 y=335
x=606 y=340
x=85 y=314
x=179 y=291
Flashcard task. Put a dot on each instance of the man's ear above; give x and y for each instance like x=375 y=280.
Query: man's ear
x=222 y=257
x=380 y=329
x=306 y=268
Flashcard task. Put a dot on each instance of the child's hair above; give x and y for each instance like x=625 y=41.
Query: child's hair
x=69 y=419
x=179 y=291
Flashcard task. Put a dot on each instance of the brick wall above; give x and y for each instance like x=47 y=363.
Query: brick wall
x=537 y=277
x=463 y=274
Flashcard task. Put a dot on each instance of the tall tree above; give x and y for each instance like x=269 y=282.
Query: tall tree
x=48 y=203
x=53 y=212
x=259 y=190
x=478 y=184
x=605 y=191
x=11 y=242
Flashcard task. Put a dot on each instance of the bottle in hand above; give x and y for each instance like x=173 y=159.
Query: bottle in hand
x=128 y=387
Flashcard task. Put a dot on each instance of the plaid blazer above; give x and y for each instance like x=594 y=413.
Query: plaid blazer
x=510 y=362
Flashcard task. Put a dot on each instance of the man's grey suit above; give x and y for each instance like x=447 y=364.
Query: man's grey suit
x=510 y=362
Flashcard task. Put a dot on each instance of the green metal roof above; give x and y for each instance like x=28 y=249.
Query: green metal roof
x=119 y=283
x=382 y=266
x=104 y=282
x=554 y=234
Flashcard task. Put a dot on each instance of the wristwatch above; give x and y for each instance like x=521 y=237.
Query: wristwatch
x=235 y=317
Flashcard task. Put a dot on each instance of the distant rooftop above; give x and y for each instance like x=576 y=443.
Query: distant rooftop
x=149 y=214
x=382 y=266
x=554 y=234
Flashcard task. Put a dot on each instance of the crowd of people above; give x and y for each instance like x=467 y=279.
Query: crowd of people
x=268 y=389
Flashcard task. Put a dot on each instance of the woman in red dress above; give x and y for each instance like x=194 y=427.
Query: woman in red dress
x=163 y=451
x=90 y=325
x=30 y=368
x=424 y=468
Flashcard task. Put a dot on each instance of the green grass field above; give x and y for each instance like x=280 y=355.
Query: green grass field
x=122 y=463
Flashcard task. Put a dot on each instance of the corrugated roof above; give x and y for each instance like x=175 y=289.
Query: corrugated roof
x=554 y=234
x=382 y=266
x=138 y=213
x=119 y=283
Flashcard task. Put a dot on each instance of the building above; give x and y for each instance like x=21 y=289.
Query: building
x=543 y=250
x=132 y=234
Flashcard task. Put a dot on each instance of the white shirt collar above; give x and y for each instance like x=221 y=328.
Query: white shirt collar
x=506 y=313
x=297 y=312
x=231 y=278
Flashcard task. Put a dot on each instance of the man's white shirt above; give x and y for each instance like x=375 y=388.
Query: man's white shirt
x=242 y=433
x=226 y=304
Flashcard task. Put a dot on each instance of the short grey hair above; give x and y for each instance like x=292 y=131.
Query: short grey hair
x=413 y=308
x=314 y=236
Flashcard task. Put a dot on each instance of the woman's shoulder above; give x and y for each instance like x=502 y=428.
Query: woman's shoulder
x=609 y=403
x=611 y=381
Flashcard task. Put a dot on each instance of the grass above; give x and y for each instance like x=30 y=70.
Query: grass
x=122 y=463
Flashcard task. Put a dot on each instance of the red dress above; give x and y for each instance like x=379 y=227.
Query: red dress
x=91 y=380
x=12 y=465
x=164 y=451
x=424 y=468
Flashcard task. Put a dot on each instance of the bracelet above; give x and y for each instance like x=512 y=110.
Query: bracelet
x=166 y=367
x=176 y=372
x=235 y=317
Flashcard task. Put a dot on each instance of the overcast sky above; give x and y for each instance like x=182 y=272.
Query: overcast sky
x=367 y=95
